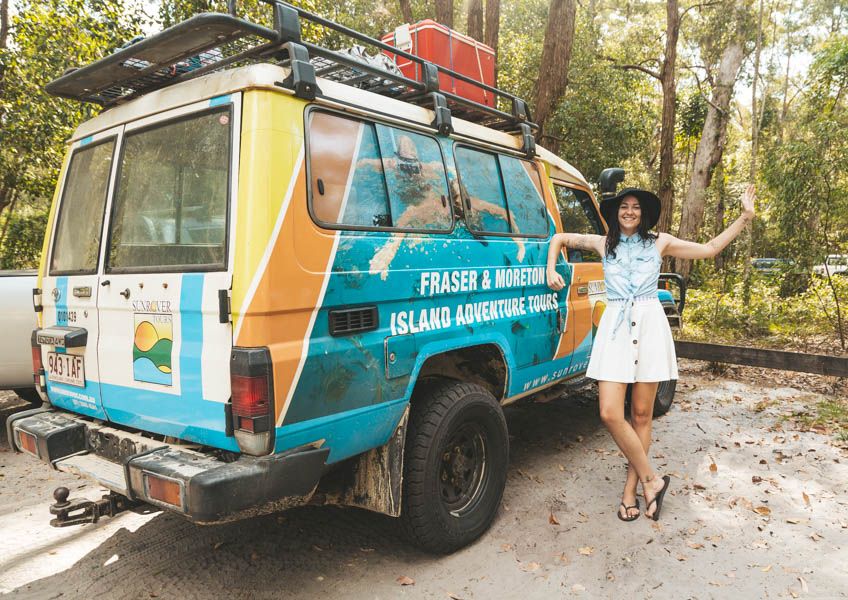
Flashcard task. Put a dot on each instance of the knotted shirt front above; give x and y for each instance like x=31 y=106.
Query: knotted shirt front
x=632 y=274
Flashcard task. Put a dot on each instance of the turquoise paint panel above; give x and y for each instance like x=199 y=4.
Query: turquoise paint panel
x=86 y=140
x=191 y=337
x=434 y=292
x=194 y=419
x=220 y=100
x=346 y=434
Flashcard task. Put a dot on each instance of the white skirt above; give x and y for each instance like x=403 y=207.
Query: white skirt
x=641 y=349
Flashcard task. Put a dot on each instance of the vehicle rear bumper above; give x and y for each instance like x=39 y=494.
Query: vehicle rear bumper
x=210 y=490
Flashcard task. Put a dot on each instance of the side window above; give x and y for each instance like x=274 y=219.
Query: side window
x=370 y=176
x=77 y=241
x=578 y=216
x=501 y=194
x=171 y=198
x=524 y=194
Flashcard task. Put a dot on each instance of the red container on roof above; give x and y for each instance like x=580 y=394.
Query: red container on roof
x=447 y=48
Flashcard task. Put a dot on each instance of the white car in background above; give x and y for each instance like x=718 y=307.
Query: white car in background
x=834 y=264
x=17 y=321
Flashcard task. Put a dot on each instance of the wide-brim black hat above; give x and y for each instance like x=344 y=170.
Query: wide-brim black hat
x=648 y=202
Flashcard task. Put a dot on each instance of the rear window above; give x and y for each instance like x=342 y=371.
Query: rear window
x=170 y=207
x=80 y=222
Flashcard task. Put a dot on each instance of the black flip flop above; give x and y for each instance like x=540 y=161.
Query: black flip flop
x=626 y=508
x=658 y=499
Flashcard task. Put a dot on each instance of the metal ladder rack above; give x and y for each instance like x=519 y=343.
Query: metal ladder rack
x=214 y=41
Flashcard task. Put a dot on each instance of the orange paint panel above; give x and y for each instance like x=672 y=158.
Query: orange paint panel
x=579 y=320
x=280 y=314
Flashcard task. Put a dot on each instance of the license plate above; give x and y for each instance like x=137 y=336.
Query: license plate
x=66 y=368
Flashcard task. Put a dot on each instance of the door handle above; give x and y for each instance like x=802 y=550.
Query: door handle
x=125 y=293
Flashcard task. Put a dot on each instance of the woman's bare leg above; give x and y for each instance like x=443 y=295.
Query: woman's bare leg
x=641 y=418
x=625 y=436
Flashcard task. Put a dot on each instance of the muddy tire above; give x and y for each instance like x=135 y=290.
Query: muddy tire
x=29 y=395
x=455 y=466
x=664 y=399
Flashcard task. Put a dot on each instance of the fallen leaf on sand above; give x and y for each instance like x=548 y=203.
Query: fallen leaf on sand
x=766 y=569
x=713 y=468
x=586 y=550
x=797 y=521
x=404 y=580
x=804 y=587
x=552 y=519
x=815 y=537
x=563 y=558
x=531 y=566
x=806 y=498
x=756 y=479
x=681 y=558
x=453 y=596
x=763 y=510
x=698 y=486
x=217 y=545
x=695 y=545
x=577 y=588
x=506 y=547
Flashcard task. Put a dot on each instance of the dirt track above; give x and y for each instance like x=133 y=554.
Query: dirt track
x=768 y=520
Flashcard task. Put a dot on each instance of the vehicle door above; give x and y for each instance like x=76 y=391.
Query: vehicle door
x=165 y=341
x=71 y=284
x=587 y=297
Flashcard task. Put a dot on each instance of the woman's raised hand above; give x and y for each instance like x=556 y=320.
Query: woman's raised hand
x=748 y=201
x=555 y=281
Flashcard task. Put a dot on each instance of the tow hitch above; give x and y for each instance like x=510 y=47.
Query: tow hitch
x=81 y=510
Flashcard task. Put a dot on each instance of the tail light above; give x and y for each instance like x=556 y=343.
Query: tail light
x=252 y=406
x=37 y=366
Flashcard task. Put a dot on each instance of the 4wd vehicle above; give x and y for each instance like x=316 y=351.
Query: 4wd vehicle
x=17 y=321
x=305 y=271
x=834 y=264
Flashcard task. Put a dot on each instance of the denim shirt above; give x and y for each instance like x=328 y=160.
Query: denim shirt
x=632 y=274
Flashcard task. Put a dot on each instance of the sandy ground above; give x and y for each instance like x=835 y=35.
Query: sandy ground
x=755 y=510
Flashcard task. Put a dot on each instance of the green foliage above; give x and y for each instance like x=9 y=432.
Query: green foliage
x=24 y=235
x=770 y=317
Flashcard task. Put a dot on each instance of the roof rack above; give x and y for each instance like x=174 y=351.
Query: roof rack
x=214 y=41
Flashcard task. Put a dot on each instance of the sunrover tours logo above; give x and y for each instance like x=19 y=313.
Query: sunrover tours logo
x=153 y=341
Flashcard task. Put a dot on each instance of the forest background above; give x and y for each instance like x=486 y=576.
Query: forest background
x=693 y=99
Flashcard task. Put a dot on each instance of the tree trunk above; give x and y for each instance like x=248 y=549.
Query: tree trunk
x=475 y=19
x=4 y=23
x=556 y=55
x=4 y=37
x=665 y=188
x=718 y=226
x=406 y=11
x=755 y=131
x=444 y=12
x=710 y=147
x=493 y=28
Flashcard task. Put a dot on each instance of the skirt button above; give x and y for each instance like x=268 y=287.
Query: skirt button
x=634 y=341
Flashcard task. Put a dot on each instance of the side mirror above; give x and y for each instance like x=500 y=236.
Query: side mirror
x=609 y=180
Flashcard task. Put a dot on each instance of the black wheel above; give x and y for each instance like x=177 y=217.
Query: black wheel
x=457 y=451
x=30 y=395
x=665 y=396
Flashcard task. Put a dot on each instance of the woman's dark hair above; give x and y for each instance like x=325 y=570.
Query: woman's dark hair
x=614 y=232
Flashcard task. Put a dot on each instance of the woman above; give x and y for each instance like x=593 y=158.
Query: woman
x=633 y=343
